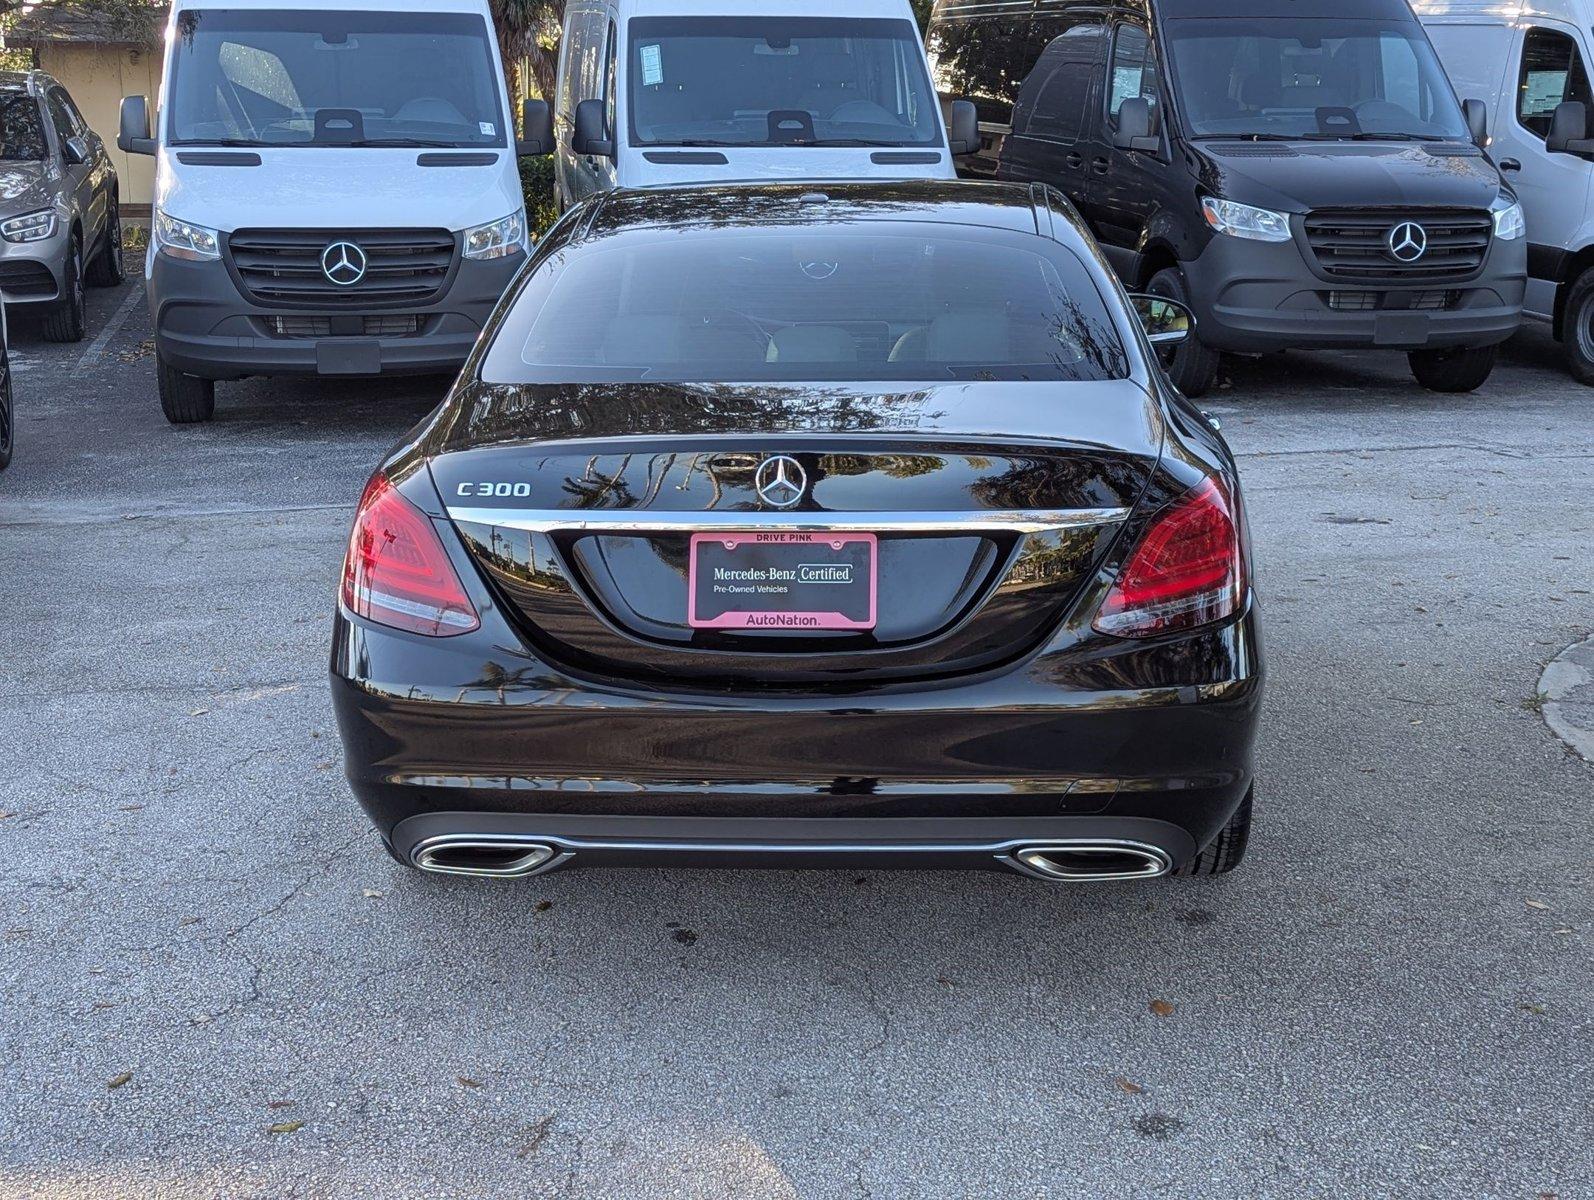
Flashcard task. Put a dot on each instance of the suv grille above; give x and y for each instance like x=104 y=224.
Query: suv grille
x=283 y=266
x=1355 y=244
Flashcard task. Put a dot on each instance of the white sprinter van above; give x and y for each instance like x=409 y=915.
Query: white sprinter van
x=1531 y=60
x=337 y=190
x=666 y=92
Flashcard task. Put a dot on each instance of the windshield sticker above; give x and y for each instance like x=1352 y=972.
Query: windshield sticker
x=488 y=129
x=652 y=65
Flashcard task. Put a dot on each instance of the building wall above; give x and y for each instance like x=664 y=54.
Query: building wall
x=98 y=77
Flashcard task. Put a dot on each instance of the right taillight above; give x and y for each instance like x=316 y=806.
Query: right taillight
x=1189 y=569
x=397 y=572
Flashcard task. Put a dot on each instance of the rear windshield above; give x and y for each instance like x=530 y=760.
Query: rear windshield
x=779 y=81
x=1332 y=78
x=308 y=77
x=900 y=302
x=21 y=130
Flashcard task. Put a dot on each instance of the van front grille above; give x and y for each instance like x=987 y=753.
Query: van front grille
x=287 y=268
x=1357 y=243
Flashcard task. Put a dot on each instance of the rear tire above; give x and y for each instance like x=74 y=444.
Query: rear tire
x=1464 y=369
x=185 y=399
x=1191 y=366
x=106 y=268
x=1577 y=328
x=1227 y=850
x=67 y=319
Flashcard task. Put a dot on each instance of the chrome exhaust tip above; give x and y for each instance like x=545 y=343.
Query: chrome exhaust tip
x=486 y=857
x=1093 y=862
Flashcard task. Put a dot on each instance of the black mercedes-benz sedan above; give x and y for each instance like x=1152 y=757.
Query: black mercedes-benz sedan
x=801 y=526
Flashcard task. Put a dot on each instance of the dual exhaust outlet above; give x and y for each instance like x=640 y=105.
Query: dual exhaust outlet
x=1081 y=861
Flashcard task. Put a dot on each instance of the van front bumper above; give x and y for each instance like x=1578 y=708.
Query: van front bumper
x=1257 y=297
x=205 y=326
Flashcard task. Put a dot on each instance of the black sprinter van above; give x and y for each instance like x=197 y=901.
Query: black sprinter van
x=1302 y=175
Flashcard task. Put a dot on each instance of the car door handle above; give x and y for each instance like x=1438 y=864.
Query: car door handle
x=1075 y=161
x=1510 y=164
x=1102 y=166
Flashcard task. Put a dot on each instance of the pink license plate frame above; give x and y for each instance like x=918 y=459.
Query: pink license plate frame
x=814 y=614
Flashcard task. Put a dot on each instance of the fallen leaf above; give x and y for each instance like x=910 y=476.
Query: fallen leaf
x=1539 y=905
x=686 y=937
x=286 y=1127
x=132 y=808
x=1161 y=1008
x=1563 y=932
x=6 y=816
x=275 y=1105
x=1129 y=1086
x=1535 y=1009
x=199 y=712
x=124 y=1077
x=542 y=905
x=191 y=920
x=467 y=1082
x=372 y=894
x=101 y=1005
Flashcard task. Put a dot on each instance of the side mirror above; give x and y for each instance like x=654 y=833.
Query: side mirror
x=75 y=151
x=1569 y=129
x=536 y=123
x=592 y=133
x=1167 y=322
x=1477 y=114
x=1136 y=131
x=134 y=138
x=963 y=128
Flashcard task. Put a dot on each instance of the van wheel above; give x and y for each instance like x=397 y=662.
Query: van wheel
x=185 y=399
x=106 y=270
x=1227 y=850
x=1464 y=369
x=1577 y=332
x=1192 y=367
x=68 y=317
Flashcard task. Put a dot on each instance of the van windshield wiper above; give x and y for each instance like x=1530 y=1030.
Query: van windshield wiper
x=223 y=142
x=401 y=143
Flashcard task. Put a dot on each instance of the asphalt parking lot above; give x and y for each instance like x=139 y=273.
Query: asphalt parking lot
x=215 y=983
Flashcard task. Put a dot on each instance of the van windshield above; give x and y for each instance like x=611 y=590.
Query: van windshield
x=312 y=77
x=1331 y=79
x=779 y=81
x=880 y=302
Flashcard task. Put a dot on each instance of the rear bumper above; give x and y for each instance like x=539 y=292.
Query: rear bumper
x=204 y=326
x=1256 y=298
x=479 y=739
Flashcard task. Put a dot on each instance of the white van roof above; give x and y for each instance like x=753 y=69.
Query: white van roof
x=761 y=8
x=1499 y=12
x=403 y=6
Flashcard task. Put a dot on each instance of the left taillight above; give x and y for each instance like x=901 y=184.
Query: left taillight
x=397 y=572
x=1189 y=569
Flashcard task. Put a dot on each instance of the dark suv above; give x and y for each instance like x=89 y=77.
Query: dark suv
x=1302 y=175
x=59 y=221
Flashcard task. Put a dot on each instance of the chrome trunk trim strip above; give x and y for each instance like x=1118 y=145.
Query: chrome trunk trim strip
x=628 y=521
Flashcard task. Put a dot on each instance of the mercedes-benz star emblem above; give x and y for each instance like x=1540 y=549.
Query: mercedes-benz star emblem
x=344 y=263
x=781 y=481
x=1408 y=242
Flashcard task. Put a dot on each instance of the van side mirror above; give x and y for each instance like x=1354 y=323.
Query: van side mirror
x=133 y=137
x=1477 y=114
x=963 y=128
x=536 y=124
x=592 y=133
x=1136 y=131
x=1569 y=130
x=1167 y=322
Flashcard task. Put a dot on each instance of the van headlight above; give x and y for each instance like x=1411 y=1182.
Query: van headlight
x=1509 y=223
x=30 y=227
x=179 y=239
x=1243 y=221
x=497 y=239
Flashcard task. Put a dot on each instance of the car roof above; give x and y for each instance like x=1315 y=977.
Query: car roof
x=1020 y=208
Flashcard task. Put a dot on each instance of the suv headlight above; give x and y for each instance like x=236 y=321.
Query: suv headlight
x=179 y=239
x=497 y=239
x=32 y=227
x=1243 y=221
x=1509 y=222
